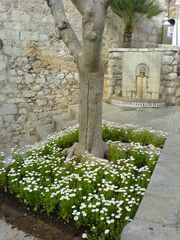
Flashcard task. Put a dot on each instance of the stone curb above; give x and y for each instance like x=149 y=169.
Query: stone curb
x=158 y=216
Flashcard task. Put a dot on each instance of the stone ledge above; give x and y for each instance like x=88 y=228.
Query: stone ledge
x=141 y=230
x=173 y=49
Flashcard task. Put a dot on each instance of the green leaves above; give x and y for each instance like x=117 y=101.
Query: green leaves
x=128 y=10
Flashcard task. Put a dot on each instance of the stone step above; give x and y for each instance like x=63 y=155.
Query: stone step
x=67 y=119
x=74 y=112
x=43 y=131
x=107 y=108
x=63 y=121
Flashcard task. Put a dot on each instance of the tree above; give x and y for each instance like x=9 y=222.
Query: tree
x=128 y=9
x=87 y=57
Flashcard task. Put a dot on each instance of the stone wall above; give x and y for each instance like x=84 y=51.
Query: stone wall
x=169 y=81
x=38 y=78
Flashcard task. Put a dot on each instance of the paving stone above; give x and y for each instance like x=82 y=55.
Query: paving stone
x=8 y=109
x=7 y=232
x=142 y=230
x=158 y=209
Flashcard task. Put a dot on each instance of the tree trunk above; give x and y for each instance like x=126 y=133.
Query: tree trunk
x=91 y=74
x=90 y=116
x=127 y=39
x=89 y=63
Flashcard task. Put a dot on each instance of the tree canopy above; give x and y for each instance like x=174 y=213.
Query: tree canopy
x=128 y=10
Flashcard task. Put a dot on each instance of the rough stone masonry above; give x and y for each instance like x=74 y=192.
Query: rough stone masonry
x=37 y=76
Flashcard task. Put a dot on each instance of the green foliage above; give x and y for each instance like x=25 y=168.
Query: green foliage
x=128 y=9
x=117 y=134
x=144 y=137
x=114 y=153
x=67 y=140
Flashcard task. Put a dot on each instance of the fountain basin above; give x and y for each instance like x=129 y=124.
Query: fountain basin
x=137 y=103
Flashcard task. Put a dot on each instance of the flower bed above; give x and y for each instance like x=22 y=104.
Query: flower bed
x=100 y=195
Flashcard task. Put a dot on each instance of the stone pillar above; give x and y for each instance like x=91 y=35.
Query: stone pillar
x=115 y=73
x=169 y=76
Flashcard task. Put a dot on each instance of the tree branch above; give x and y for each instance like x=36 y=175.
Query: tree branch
x=80 y=5
x=108 y=3
x=65 y=30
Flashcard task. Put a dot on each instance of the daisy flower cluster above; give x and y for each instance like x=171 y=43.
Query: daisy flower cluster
x=100 y=196
x=2 y=170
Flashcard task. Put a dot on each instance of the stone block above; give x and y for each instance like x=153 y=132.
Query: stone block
x=8 y=109
x=20 y=72
x=158 y=209
x=178 y=92
x=2 y=34
x=36 y=88
x=10 y=50
x=141 y=230
x=21 y=119
x=69 y=76
x=29 y=36
x=172 y=76
x=177 y=101
x=22 y=111
x=41 y=95
x=115 y=55
x=76 y=76
x=17 y=100
x=18 y=80
x=41 y=102
x=167 y=171
x=171 y=100
x=167 y=60
x=14 y=35
x=12 y=72
x=9 y=119
x=40 y=79
x=28 y=93
x=43 y=37
x=175 y=62
x=18 y=15
x=28 y=126
x=2 y=62
x=167 y=69
x=171 y=90
x=175 y=69
x=2 y=98
x=163 y=191
x=29 y=79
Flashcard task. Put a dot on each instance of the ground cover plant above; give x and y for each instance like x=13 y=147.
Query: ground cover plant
x=101 y=196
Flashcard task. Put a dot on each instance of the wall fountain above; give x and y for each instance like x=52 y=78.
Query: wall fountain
x=142 y=77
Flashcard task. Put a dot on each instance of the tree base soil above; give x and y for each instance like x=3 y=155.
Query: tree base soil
x=38 y=225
